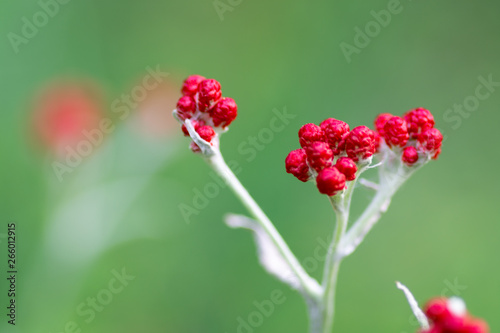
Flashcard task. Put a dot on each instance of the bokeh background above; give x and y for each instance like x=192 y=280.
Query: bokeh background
x=119 y=207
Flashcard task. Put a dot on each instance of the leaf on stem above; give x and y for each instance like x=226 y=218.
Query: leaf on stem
x=269 y=255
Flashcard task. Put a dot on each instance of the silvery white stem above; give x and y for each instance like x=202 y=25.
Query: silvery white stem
x=419 y=314
x=390 y=182
x=308 y=285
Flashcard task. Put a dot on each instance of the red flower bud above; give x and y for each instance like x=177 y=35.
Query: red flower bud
x=409 y=156
x=418 y=121
x=208 y=94
x=395 y=132
x=186 y=106
x=330 y=181
x=296 y=164
x=190 y=86
x=224 y=112
x=335 y=133
x=319 y=155
x=430 y=141
x=310 y=133
x=380 y=122
x=360 y=143
x=206 y=132
x=347 y=167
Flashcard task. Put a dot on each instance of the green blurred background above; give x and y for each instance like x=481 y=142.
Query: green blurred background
x=120 y=207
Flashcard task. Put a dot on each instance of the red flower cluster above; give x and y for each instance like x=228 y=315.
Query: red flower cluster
x=445 y=320
x=414 y=133
x=203 y=104
x=330 y=152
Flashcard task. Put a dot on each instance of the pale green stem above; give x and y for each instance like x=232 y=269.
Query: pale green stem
x=217 y=162
x=390 y=183
x=341 y=205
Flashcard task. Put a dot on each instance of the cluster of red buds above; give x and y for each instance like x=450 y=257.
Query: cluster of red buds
x=451 y=316
x=413 y=134
x=209 y=113
x=332 y=154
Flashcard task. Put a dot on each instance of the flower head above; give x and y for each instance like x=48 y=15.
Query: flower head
x=449 y=315
x=209 y=113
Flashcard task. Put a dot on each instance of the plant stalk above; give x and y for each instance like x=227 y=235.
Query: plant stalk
x=216 y=161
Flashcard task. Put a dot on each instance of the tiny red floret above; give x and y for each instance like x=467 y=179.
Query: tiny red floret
x=209 y=92
x=186 y=106
x=444 y=320
x=348 y=167
x=410 y=155
x=335 y=133
x=206 y=132
x=418 y=121
x=396 y=132
x=330 y=181
x=310 y=133
x=437 y=309
x=430 y=141
x=224 y=112
x=360 y=143
x=319 y=155
x=296 y=164
x=380 y=122
x=190 y=86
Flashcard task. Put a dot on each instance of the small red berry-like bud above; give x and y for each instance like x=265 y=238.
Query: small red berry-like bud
x=430 y=141
x=396 y=132
x=296 y=164
x=335 y=133
x=437 y=310
x=360 y=143
x=190 y=86
x=206 y=132
x=347 y=167
x=380 y=122
x=208 y=93
x=310 y=133
x=186 y=106
x=196 y=124
x=330 y=181
x=224 y=112
x=319 y=155
x=410 y=156
x=418 y=121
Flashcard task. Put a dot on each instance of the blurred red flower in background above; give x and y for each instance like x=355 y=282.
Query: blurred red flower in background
x=63 y=111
